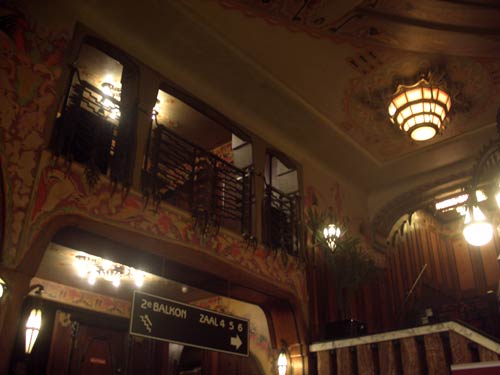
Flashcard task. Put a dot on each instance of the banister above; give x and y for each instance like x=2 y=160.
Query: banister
x=459 y=328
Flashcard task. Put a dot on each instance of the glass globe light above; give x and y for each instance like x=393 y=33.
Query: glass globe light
x=477 y=231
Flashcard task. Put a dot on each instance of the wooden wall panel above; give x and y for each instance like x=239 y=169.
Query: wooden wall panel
x=463 y=264
x=490 y=264
x=455 y=271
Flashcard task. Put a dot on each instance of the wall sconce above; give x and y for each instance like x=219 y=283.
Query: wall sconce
x=282 y=361
x=3 y=288
x=331 y=233
x=478 y=231
x=33 y=326
x=34 y=323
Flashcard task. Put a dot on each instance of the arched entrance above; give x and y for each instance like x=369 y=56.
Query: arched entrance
x=183 y=266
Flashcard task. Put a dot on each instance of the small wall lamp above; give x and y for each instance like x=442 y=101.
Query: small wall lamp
x=34 y=322
x=3 y=288
x=282 y=361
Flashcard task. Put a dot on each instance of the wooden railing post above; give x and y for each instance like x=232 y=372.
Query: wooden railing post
x=324 y=363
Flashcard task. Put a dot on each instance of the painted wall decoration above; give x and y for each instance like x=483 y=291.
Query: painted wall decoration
x=30 y=66
x=38 y=191
x=84 y=299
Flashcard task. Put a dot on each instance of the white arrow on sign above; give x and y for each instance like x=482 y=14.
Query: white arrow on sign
x=236 y=341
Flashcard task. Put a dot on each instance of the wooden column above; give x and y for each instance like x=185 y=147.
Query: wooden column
x=487 y=355
x=365 y=360
x=387 y=358
x=410 y=357
x=459 y=346
x=434 y=352
x=324 y=363
x=344 y=361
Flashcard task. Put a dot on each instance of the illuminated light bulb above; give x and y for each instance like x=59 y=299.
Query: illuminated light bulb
x=156 y=109
x=477 y=231
x=480 y=196
x=116 y=281
x=92 y=277
x=81 y=267
x=106 y=264
x=184 y=289
x=139 y=278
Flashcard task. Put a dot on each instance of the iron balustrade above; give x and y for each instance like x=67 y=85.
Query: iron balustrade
x=87 y=128
x=187 y=176
x=281 y=220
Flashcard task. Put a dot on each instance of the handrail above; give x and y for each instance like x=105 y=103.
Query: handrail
x=215 y=191
x=459 y=328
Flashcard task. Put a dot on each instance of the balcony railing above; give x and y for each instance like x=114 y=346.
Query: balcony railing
x=281 y=220
x=183 y=174
x=87 y=129
x=429 y=349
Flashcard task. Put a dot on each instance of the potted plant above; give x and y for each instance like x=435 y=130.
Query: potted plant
x=349 y=265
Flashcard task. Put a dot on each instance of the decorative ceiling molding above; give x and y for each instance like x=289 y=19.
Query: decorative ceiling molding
x=389 y=23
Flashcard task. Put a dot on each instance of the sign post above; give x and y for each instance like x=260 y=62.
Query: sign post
x=167 y=320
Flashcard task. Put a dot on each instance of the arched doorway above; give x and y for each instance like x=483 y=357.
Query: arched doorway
x=110 y=341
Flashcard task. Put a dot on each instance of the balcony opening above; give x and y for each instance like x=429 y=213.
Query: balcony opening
x=197 y=162
x=92 y=113
x=281 y=208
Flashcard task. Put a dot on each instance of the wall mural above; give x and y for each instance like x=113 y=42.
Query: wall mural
x=30 y=65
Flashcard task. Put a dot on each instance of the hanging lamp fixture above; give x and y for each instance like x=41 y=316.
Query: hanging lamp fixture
x=420 y=109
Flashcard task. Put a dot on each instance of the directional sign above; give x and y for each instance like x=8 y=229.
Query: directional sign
x=167 y=320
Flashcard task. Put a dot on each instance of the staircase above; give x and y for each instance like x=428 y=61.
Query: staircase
x=430 y=349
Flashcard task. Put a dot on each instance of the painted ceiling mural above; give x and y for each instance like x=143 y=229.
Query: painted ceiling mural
x=398 y=42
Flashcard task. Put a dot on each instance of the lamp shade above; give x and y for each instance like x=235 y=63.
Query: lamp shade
x=420 y=109
x=477 y=231
x=33 y=326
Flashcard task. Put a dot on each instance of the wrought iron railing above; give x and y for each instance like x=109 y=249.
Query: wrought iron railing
x=87 y=128
x=183 y=174
x=281 y=220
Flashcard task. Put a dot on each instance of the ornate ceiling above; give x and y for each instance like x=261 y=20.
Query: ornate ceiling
x=384 y=43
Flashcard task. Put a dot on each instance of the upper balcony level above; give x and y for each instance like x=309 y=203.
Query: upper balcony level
x=149 y=135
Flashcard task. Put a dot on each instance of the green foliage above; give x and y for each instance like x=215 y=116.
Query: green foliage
x=351 y=267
